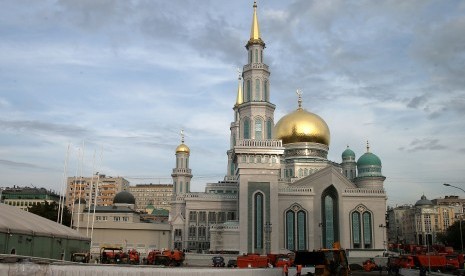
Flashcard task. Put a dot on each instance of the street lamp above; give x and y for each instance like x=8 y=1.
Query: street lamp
x=461 y=215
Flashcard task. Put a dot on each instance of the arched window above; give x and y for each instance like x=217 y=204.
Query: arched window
x=258 y=220
x=296 y=228
x=265 y=91
x=256 y=55
x=301 y=172
x=269 y=128
x=261 y=56
x=257 y=90
x=356 y=233
x=249 y=96
x=367 y=237
x=258 y=129
x=305 y=172
x=231 y=172
x=250 y=56
x=330 y=217
x=246 y=128
x=290 y=230
x=180 y=187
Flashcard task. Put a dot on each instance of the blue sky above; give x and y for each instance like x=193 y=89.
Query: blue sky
x=118 y=80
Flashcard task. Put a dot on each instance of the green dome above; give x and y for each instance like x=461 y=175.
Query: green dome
x=348 y=153
x=368 y=159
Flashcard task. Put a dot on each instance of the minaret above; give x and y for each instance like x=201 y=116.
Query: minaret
x=234 y=128
x=254 y=157
x=181 y=174
x=349 y=166
x=256 y=113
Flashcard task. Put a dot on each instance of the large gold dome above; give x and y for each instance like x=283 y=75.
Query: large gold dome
x=183 y=148
x=302 y=126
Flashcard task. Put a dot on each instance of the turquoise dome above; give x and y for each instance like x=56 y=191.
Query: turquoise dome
x=368 y=159
x=348 y=153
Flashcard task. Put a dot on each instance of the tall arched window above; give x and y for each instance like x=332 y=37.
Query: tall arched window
x=246 y=128
x=362 y=228
x=250 y=56
x=329 y=202
x=356 y=233
x=261 y=56
x=269 y=129
x=367 y=237
x=258 y=220
x=290 y=230
x=265 y=91
x=180 y=187
x=256 y=55
x=258 y=129
x=257 y=90
x=296 y=228
x=248 y=88
x=301 y=172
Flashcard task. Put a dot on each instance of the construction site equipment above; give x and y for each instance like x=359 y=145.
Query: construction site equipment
x=325 y=261
x=112 y=255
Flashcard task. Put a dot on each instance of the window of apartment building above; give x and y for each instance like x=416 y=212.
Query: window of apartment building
x=192 y=216
x=202 y=232
x=231 y=216
x=202 y=216
x=177 y=232
x=125 y=219
x=192 y=231
x=116 y=218
x=221 y=217
x=211 y=217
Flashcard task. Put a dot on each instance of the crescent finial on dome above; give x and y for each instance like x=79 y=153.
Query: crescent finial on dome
x=299 y=94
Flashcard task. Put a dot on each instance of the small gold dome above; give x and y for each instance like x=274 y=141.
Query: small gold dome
x=302 y=126
x=183 y=148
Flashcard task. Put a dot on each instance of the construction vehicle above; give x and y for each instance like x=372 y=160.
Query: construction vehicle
x=165 y=257
x=218 y=261
x=80 y=257
x=326 y=262
x=133 y=257
x=252 y=260
x=279 y=260
x=370 y=265
x=112 y=255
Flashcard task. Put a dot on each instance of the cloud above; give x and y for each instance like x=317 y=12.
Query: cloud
x=423 y=144
x=20 y=165
x=45 y=128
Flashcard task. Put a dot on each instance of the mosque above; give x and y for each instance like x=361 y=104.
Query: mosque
x=280 y=191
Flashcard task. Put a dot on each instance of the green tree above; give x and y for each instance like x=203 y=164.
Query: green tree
x=50 y=211
x=452 y=235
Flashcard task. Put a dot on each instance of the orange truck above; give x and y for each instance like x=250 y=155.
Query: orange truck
x=252 y=260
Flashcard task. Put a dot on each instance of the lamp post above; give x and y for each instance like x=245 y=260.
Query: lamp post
x=461 y=215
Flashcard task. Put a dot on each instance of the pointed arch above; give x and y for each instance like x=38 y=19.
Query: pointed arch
x=248 y=91
x=361 y=225
x=246 y=127
x=258 y=127
x=296 y=231
x=257 y=96
x=330 y=216
x=269 y=129
x=259 y=203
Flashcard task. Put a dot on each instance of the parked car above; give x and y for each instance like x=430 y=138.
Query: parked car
x=232 y=263
x=218 y=261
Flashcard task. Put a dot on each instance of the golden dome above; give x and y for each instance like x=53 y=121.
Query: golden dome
x=302 y=126
x=183 y=148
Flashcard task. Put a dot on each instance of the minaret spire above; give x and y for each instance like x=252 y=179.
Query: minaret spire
x=368 y=146
x=239 y=98
x=182 y=136
x=255 y=37
x=255 y=31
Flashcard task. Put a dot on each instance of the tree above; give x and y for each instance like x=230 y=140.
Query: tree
x=50 y=211
x=452 y=235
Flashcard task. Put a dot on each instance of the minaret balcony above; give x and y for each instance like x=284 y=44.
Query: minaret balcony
x=267 y=143
x=255 y=65
x=181 y=171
